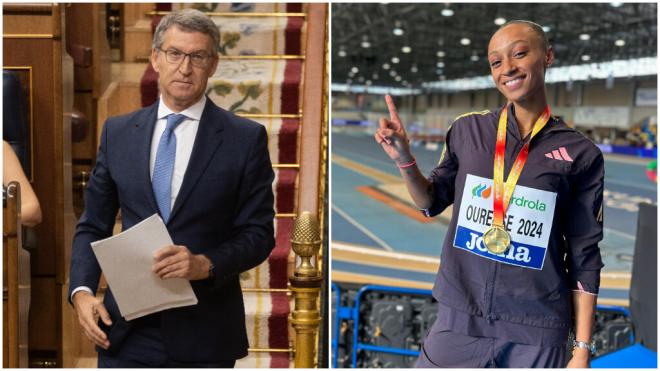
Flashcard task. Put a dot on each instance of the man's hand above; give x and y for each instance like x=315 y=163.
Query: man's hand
x=580 y=358
x=177 y=261
x=89 y=308
x=392 y=136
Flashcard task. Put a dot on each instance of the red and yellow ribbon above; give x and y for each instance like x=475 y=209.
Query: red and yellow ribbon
x=503 y=192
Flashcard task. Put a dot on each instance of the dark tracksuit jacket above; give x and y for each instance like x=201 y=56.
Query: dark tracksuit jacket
x=555 y=222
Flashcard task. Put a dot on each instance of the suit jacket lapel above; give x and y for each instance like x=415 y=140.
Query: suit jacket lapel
x=208 y=139
x=144 y=125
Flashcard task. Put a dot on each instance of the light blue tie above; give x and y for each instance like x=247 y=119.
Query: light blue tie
x=164 y=166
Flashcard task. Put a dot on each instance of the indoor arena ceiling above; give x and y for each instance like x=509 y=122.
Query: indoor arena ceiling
x=427 y=42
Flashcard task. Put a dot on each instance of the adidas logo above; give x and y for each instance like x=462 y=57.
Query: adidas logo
x=559 y=154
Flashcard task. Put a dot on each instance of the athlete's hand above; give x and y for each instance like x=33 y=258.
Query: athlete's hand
x=391 y=135
x=89 y=309
x=580 y=359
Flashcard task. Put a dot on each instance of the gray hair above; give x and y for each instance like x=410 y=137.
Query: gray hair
x=189 y=20
x=535 y=27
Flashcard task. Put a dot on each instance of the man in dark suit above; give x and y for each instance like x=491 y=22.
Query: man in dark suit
x=209 y=176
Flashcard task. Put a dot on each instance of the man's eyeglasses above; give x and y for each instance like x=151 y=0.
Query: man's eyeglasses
x=175 y=56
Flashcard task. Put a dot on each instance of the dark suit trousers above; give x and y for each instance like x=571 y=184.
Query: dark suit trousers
x=143 y=348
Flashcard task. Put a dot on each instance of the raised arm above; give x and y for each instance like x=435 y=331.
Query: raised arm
x=392 y=137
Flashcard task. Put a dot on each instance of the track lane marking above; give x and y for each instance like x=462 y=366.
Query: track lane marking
x=362 y=228
x=395 y=204
x=365 y=170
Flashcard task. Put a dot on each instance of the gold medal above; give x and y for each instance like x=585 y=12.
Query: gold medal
x=497 y=239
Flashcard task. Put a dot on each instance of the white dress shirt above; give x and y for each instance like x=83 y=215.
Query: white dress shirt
x=185 y=139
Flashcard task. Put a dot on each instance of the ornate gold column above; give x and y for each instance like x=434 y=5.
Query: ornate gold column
x=306 y=286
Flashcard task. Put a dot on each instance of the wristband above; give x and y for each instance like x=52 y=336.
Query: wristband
x=591 y=347
x=409 y=164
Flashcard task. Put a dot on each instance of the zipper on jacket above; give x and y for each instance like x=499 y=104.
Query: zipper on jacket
x=490 y=288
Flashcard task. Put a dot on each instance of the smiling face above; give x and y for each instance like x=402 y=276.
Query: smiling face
x=182 y=84
x=518 y=59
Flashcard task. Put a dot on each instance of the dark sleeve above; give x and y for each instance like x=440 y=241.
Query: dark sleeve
x=583 y=228
x=253 y=238
x=96 y=222
x=443 y=176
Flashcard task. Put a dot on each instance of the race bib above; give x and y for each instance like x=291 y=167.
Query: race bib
x=528 y=220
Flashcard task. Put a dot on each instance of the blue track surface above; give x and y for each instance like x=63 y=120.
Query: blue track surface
x=625 y=183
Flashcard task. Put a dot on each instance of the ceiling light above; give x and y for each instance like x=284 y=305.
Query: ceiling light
x=586 y=58
x=393 y=73
x=386 y=66
x=546 y=28
x=355 y=69
x=397 y=78
x=500 y=21
x=439 y=72
x=406 y=49
x=395 y=60
x=361 y=79
x=397 y=31
x=465 y=41
x=474 y=58
x=440 y=64
x=368 y=82
x=414 y=69
x=584 y=37
x=443 y=78
x=447 y=12
x=440 y=54
x=616 y=5
x=365 y=42
x=342 y=53
x=620 y=42
x=374 y=76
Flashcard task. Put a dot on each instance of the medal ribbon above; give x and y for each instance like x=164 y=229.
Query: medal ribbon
x=503 y=192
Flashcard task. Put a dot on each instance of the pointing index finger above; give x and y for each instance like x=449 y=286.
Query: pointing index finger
x=394 y=116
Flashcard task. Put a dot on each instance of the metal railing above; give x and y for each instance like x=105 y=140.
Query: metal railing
x=352 y=313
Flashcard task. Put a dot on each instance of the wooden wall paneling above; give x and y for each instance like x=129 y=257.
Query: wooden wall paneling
x=33 y=37
x=86 y=28
x=27 y=19
x=10 y=245
x=134 y=12
x=31 y=53
x=136 y=46
x=120 y=98
x=43 y=326
x=102 y=59
x=84 y=102
x=68 y=222
x=136 y=31
x=79 y=31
